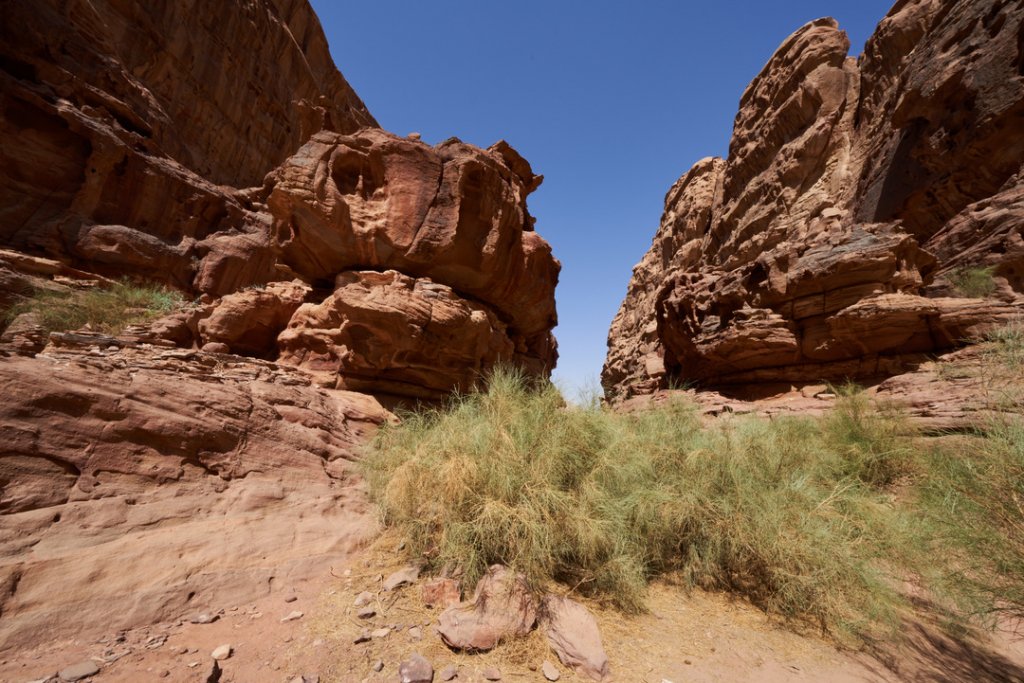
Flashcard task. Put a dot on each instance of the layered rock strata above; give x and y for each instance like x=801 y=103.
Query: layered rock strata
x=145 y=482
x=204 y=459
x=222 y=153
x=817 y=249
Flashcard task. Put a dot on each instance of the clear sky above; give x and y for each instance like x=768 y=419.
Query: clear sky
x=611 y=101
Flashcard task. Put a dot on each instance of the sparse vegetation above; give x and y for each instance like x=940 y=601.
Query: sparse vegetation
x=974 y=282
x=818 y=520
x=105 y=309
x=1008 y=345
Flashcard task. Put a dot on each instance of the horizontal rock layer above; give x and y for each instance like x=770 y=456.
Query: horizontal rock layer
x=218 y=475
x=815 y=251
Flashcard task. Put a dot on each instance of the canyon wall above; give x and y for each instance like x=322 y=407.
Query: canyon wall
x=218 y=150
x=822 y=247
x=205 y=459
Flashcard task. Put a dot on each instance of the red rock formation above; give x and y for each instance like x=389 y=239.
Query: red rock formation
x=214 y=473
x=131 y=128
x=122 y=121
x=388 y=332
x=811 y=252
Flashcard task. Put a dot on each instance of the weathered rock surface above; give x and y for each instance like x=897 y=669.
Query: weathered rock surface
x=501 y=608
x=573 y=634
x=453 y=214
x=812 y=252
x=214 y=476
x=416 y=669
x=222 y=153
x=388 y=332
x=126 y=121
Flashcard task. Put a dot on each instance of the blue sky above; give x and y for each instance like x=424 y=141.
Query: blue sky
x=611 y=101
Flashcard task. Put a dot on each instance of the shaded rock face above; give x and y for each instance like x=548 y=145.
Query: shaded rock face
x=817 y=249
x=126 y=123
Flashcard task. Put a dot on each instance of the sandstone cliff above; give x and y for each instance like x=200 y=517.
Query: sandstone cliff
x=215 y=148
x=220 y=150
x=817 y=250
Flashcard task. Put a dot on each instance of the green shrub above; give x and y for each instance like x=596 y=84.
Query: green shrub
x=794 y=514
x=106 y=309
x=973 y=282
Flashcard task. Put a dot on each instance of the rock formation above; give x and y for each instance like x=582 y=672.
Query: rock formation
x=216 y=474
x=817 y=250
x=221 y=153
x=227 y=156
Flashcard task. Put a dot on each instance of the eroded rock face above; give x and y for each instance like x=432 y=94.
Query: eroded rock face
x=391 y=333
x=127 y=123
x=145 y=481
x=812 y=253
x=453 y=213
x=466 y=282
x=222 y=153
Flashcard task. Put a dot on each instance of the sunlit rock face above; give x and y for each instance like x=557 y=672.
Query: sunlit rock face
x=817 y=250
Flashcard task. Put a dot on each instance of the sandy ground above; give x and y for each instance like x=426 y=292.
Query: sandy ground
x=690 y=637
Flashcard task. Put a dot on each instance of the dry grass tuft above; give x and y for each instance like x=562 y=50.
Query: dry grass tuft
x=104 y=309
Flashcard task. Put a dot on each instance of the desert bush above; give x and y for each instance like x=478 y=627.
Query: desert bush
x=973 y=497
x=794 y=514
x=105 y=309
x=973 y=282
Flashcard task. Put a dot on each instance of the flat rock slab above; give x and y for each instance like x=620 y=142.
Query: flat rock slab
x=80 y=671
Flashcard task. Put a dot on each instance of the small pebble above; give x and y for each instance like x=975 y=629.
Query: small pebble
x=550 y=671
x=492 y=674
x=291 y=598
x=292 y=616
x=378 y=666
x=449 y=672
x=380 y=633
x=366 y=612
x=222 y=652
x=363 y=599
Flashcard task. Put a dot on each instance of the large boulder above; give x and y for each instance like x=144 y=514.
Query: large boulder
x=502 y=607
x=815 y=251
x=453 y=213
x=391 y=333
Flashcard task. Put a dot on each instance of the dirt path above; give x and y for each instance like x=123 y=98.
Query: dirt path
x=692 y=638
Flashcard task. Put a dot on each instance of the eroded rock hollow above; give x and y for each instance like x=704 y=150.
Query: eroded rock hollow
x=819 y=249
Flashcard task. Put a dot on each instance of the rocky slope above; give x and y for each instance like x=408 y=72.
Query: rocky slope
x=207 y=457
x=820 y=248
